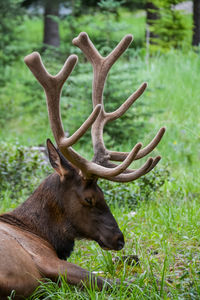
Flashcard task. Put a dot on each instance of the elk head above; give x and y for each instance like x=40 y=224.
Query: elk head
x=89 y=215
x=83 y=209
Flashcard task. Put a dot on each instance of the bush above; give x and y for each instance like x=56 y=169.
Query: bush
x=10 y=48
x=21 y=170
x=130 y=194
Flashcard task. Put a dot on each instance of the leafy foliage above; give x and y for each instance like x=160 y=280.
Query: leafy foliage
x=11 y=19
x=131 y=194
x=21 y=170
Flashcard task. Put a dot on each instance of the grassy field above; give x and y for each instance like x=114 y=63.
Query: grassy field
x=164 y=231
x=164 y=234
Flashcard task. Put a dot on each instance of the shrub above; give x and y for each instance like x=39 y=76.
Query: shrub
x=11 y=19
x=21 y=170
x=130 y=194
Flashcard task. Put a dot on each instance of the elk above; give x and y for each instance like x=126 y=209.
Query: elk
x=38 y=236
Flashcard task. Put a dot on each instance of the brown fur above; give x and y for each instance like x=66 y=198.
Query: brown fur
x=37 y=236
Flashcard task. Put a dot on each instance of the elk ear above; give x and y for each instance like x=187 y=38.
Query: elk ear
x=57 y=160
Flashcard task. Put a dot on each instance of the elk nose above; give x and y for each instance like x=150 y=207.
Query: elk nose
x=120 y=242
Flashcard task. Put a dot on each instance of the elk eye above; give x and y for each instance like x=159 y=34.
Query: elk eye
x=89 y=200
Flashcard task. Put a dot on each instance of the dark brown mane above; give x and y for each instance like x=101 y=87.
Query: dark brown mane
x=41 y=214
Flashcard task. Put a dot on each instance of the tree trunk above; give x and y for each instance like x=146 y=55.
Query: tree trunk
x=51 y=27
x=151 y=16
x=196 y=23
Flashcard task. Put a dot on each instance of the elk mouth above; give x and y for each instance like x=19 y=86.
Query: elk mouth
x=118 y=247
x=103 y=246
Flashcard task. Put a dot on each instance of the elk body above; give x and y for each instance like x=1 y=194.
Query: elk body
x=36 y=237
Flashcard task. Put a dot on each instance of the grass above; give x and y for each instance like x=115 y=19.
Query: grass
x=165 y=235
x=164 y=231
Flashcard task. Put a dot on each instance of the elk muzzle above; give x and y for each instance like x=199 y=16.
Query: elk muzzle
x=110 y=241
x=119 y=241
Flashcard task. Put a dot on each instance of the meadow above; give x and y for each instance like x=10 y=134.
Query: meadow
x=159 y=214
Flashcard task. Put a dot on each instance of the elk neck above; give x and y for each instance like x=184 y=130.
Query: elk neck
x=42 y=214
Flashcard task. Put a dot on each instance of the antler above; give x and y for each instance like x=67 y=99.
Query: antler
x=101 y=66
x=101 y=165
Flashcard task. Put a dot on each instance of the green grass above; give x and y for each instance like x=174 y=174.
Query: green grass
x=165 y=235
x=176 y=92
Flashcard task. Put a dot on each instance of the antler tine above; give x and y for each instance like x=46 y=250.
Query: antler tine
x=154 y=163
x=134 y=175
x=125 y=106
x=85 y=44
x=120 y=156
x=152 y=145
x=66 y=142
x=118 y=50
